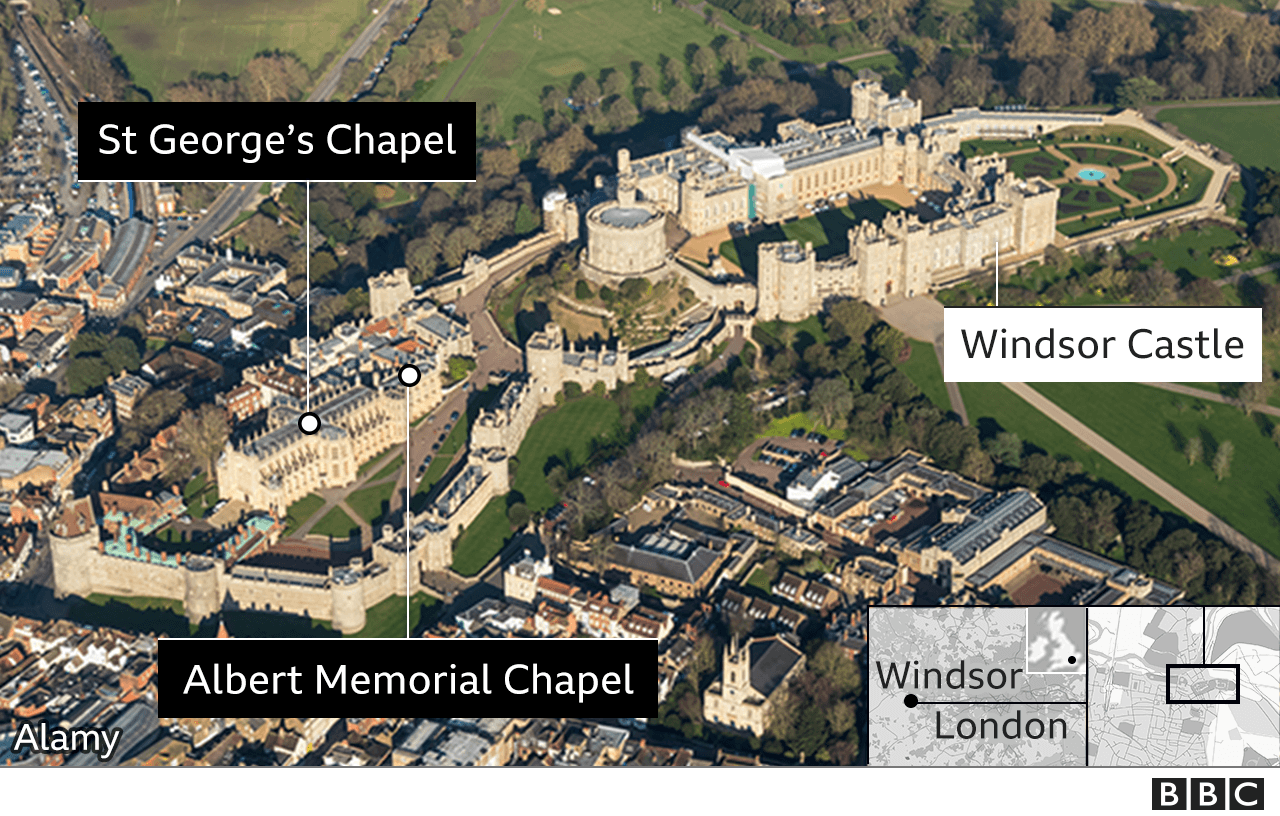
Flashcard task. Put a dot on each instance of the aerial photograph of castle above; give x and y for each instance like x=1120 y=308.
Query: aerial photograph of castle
x=680 y=347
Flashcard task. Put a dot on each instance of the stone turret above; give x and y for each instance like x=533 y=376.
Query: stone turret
x=203 y=596
x=347 y=588
x=72 y=540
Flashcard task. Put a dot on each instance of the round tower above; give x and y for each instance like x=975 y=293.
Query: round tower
x=72 y=542
x=201 y=599
x=348 y=601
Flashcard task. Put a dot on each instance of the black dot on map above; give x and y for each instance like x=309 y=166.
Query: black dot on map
x=910 y=701
x=1072 y=660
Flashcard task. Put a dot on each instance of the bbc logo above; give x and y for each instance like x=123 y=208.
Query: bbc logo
x=1206 y=794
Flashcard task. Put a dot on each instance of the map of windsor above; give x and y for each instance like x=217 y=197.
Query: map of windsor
x=937 y=675
x=1184 y=686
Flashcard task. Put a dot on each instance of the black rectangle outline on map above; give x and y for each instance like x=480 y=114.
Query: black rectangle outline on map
x=1168 y=675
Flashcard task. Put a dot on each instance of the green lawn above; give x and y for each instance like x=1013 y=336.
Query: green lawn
x=298 y=513
x=1101 y=155
x=165 y=41
x=390 y=468
x=386 y=619
x=1111 y=134
x=133 y=614
x=1146 y=423
x=1191 y=253
x=994 y=402
x=369 y=463
x=1247 y=132
x=335 y=524
x=1080 y=197
x=566 y=434
x=804 y=333
x=371 y=502
x=829 y=232
x=924 y=371
x=590 y=36
x=1040 y=163
x=759 y=580
x=483 y=539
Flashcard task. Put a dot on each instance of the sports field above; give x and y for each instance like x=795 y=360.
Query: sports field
x=164 y=41
x=587 y=37
x=1247 y=132
x=1147 y=424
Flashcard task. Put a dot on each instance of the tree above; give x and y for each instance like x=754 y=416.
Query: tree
x=518 y=515
x=1193 y=450
x=832 y=400
x=562 y=153
x=849 y=318
x=1267 y=233
x=702 y=660
x=1257 y=393
x=1138 y=91
x=202 y=433
x=1222 y=460
x=1006 y=448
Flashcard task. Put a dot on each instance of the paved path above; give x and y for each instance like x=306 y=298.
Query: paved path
x=1213 y=396
x=329 y=82
x=1134 y=468
x=1252 y=273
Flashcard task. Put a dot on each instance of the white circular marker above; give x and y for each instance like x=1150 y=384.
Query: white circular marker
x=309 y=423
x=410 y=375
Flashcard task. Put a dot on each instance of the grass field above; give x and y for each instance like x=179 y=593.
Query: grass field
x=389 y=469
x=1145 y=423
x=924 y=371
x=164 y=41
x=805 y=333
x=829 y=232
x=991 y=404
x=370 y=502
x=1246 y=132
x=1190 y=254
x=566 y=434
x=1079 y=198
x=590 y=36
x=159 y=615
x=440 y=462
x=483 y=539
x=1040 y=163
x=335 y=524
x=783 y=426
x=386 y=618
x=298 y=513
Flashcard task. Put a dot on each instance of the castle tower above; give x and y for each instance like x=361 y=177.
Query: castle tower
x=785 y=281
x=202 y=597
x=544 y=360
x=347 y=590
x=72 y=543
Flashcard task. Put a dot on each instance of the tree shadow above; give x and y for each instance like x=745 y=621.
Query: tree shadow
x=1179 y=440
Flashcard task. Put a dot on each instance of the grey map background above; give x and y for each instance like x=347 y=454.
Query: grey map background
x=986 y=637
x=1129 y=721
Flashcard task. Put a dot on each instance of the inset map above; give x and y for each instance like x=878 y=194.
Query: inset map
x=952 y=686
x=1184 y=686
x=1056 y=640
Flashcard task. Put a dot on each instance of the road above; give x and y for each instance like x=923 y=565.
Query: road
x=329 y=82
x=1137 y=470
x=224 y=209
